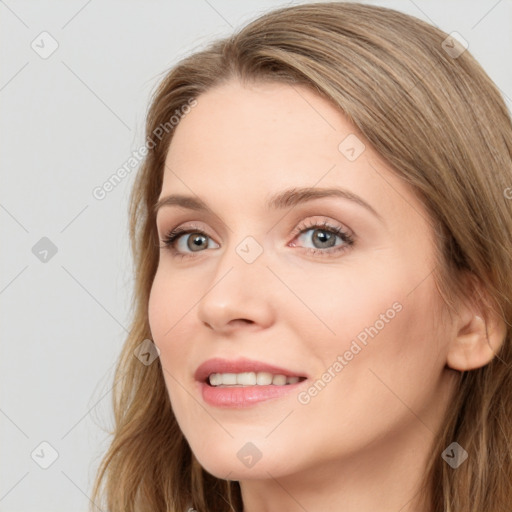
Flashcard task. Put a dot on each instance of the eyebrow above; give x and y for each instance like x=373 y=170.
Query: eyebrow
x=285 y=199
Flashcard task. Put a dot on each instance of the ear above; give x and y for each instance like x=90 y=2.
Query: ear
x=480 y=330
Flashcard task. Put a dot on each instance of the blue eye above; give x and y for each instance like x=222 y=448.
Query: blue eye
x=326 y=236
x=198 y=241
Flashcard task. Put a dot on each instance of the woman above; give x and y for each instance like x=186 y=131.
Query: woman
x=323 y=241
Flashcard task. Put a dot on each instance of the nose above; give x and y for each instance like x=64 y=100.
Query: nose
x=239 y=295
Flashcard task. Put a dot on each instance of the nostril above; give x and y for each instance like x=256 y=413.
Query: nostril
x=243 y=321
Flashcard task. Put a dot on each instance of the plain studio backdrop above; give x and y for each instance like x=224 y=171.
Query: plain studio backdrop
x=75 y=79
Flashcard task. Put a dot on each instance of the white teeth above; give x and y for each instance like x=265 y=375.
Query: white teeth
x=246 y=379
x=263 y=378
x=279 y=380
x=215 y=379
x=250 y=379
x=229 y=378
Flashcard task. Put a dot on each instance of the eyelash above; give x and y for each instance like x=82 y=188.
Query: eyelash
x=176 y=233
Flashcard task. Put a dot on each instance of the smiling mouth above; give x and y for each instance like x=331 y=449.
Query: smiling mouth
x=245 y=379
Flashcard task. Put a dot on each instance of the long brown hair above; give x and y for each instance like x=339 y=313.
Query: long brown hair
x=440 y=122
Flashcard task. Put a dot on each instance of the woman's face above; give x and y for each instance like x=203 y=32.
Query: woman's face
x=334 y=291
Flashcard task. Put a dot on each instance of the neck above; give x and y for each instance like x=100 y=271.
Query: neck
x=386 y=477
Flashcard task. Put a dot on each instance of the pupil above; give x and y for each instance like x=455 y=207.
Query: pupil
x=325 y=236
x=196 y=241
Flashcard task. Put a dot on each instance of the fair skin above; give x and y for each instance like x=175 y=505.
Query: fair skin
x=360 y=444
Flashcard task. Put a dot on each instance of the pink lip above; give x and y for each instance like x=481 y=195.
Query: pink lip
x=238 y=396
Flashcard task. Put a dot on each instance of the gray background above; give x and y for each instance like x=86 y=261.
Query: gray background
x=68 y=122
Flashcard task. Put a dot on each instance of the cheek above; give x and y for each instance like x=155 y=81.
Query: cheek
x=167 y=318
x=346 y=303
x=392 y=353
x=371 y=379
x=167 y=315
x=379 y=318
x=158 y=311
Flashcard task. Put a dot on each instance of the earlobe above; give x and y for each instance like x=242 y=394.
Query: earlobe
x=476 y=343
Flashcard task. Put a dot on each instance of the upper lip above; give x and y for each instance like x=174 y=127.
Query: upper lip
x=240 y=365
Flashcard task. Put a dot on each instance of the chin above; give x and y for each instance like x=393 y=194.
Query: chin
x=235 y=460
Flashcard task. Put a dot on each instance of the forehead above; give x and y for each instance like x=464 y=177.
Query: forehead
x=241 y=142
x=267 y=125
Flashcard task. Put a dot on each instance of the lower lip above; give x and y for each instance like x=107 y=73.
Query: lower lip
x=234 y=396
